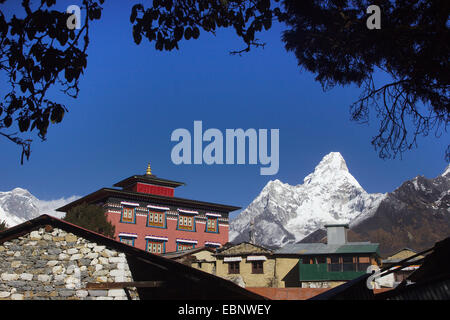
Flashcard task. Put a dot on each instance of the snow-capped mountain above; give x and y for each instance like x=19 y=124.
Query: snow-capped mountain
x=19 y=205
x=284 y=213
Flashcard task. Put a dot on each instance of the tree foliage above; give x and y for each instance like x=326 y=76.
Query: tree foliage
x=91 y=217
x=412 y=47
x=39 y=52
x=328 y=37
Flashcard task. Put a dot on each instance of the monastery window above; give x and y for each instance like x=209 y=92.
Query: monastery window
x=156 y=219
x=186 y=222
x=181 y=246
x=128 y=215
x=127 y=240
x=212 y=224
x=155 y=246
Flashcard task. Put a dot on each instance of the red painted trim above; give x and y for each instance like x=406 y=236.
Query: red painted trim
x=153 y=189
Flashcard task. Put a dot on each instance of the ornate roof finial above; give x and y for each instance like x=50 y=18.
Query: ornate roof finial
x=149 y=170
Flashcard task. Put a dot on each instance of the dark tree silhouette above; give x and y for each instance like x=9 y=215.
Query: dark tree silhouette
x=3 y=225
x=329 y=38
x=90 y=217
x=39 y=52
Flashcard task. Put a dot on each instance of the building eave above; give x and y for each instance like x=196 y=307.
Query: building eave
x=105 y=193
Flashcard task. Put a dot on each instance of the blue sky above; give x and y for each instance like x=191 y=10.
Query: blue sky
x=132 y=98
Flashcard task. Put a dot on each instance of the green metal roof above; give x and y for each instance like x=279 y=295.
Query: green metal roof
x=358 y=248
x=322 y=248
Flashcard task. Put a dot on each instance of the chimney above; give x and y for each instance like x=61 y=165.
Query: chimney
x=336 y=233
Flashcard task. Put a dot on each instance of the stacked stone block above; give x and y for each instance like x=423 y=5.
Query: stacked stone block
x=53 y=264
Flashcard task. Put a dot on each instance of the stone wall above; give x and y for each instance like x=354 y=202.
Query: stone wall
x=53 y=264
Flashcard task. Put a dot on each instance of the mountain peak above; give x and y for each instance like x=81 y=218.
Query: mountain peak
x=331 y=168
x=332 y=161
x=21 y=191
x=284 y=213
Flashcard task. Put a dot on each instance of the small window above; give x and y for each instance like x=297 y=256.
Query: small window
x=233 y=267
x=335 y=265
x=127 y=240
x=211 y=224
x=257 y=266
x=154 y=246
x=156 y=219
x=186 y=223
x=321 y=260
x=348 y=264
x=128 y=215
x=184 y=246
x=363 y=263
x=307 y=260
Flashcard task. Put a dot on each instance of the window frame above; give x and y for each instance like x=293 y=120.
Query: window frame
x=331 y=264
x=216 y=224
x=321 y=259
x=255 y=267
x=127 y=238
x=363 y=265
x=236 y=269
x=164 y=218
x=347 y=264
x=155 y=242
x=133 y=219
x=188 y=219
x=186 y=244
x=308 y=260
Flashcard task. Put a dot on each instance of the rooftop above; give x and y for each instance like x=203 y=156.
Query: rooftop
x=150 y=179
x=110 y=192
x=322 y=248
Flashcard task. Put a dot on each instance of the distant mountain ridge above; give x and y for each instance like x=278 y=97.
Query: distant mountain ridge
x=416 y=215
x=19 y=205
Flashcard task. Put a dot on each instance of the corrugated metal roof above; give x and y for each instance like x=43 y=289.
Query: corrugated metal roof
x=322 y=248
x=287 y=293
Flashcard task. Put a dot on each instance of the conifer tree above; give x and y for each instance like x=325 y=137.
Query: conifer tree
x=90 y=217
x=3 y=225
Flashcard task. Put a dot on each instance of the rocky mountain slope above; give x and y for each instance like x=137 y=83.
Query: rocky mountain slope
x=415 y=215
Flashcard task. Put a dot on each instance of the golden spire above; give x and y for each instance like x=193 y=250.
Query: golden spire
x=149 y=170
